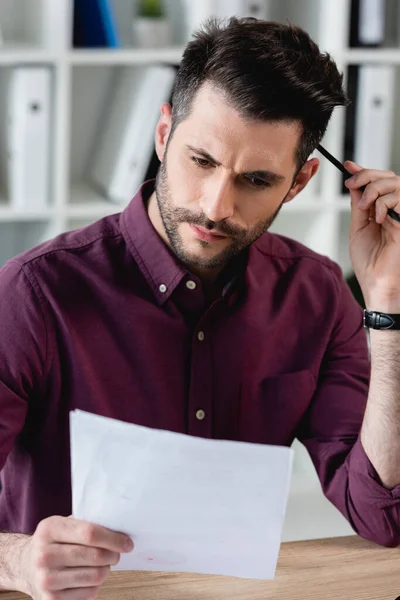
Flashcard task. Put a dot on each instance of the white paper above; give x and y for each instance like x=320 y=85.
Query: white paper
x=190 y=504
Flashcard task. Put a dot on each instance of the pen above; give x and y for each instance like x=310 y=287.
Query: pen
x=339 y=165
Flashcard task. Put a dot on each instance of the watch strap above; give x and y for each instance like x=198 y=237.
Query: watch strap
x=377 y=320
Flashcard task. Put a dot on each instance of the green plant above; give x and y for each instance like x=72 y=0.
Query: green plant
x=153 y=9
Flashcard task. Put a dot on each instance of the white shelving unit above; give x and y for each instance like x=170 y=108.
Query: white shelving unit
x=40 y=32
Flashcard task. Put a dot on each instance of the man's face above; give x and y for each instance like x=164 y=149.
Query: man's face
x=222 y=180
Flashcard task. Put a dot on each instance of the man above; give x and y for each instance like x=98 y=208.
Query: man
x=183 y=313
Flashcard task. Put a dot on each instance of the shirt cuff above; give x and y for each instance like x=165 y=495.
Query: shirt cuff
x=359 y=463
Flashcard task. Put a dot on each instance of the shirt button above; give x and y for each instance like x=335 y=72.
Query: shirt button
x=191 y=285
x=163 y=288
x=200 y=336
x=200 y=415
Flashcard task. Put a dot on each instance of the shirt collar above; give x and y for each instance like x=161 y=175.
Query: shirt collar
x=158 y=264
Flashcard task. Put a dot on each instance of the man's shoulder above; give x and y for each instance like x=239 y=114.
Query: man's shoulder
x=287 y=253
x=72 y=242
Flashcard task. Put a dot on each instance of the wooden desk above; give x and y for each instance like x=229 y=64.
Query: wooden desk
x=346 y=568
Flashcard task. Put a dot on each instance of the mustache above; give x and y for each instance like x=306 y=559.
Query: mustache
x=186 y=216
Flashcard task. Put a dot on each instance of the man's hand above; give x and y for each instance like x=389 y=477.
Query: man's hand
x=375 y=255
x=68 y=559
x=375 y=236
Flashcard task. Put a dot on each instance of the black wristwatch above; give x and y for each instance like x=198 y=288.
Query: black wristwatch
x=378 y=320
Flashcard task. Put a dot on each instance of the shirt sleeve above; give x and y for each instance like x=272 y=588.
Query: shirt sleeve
x=331 y=429
x=23 y=349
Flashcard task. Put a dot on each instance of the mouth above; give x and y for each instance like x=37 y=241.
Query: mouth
x=205 y=235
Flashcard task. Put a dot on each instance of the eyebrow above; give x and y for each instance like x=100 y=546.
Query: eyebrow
x=269 y=176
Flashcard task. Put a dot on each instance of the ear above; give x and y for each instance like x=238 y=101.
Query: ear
x=163 y=130
x=306 y=173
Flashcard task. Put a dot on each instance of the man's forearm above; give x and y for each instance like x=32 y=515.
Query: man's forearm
x=380 y=433
x=11 y=547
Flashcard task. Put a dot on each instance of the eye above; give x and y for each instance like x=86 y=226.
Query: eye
x=257 y=182
x=200 y=162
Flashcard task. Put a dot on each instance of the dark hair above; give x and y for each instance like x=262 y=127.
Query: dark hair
x=269 y=71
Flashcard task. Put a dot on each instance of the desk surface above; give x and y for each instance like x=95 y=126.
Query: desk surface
x=346 y=568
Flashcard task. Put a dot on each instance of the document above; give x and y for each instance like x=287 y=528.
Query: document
x=189 y=504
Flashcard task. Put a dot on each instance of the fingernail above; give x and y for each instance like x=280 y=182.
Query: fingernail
x=128 y=545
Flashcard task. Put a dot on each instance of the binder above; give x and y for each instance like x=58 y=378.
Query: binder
x=367 y=22
x=28 y=125
x=126 y=145
x=374 y=116
x=95 y=24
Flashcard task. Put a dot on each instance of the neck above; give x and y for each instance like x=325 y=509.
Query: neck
x=207 y=276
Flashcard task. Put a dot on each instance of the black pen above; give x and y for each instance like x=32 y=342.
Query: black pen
x=339 y=165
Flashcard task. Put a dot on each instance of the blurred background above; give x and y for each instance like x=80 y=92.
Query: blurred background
x=81 y=84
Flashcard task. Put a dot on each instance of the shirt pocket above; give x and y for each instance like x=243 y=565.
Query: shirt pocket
x=272 y=408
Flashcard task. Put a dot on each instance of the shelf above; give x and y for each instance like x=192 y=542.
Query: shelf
x=10 y=215
x=86 y=203
x=305 y=202
x=87 y=210
x=125 y=56
x=313 y=228
x=15 y=54
x=20 y=53
x=299 y=204
x=174 y=54
x=370 y=55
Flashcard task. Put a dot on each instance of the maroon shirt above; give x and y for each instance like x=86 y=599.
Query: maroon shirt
x=106 y=320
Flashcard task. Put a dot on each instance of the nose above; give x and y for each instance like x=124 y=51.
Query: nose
x=218 y=202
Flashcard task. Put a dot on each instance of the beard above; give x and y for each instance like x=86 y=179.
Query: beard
x=172 y=216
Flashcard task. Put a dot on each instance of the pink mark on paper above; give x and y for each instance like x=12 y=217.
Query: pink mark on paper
x=164 y=558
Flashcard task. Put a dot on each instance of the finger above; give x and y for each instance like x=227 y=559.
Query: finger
x=382 y=206
x=377 y=189
x=365 y=176
x=88 y=593
x=62 y=579
x=73 y=555
x=67 y=530
x=352 y=167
